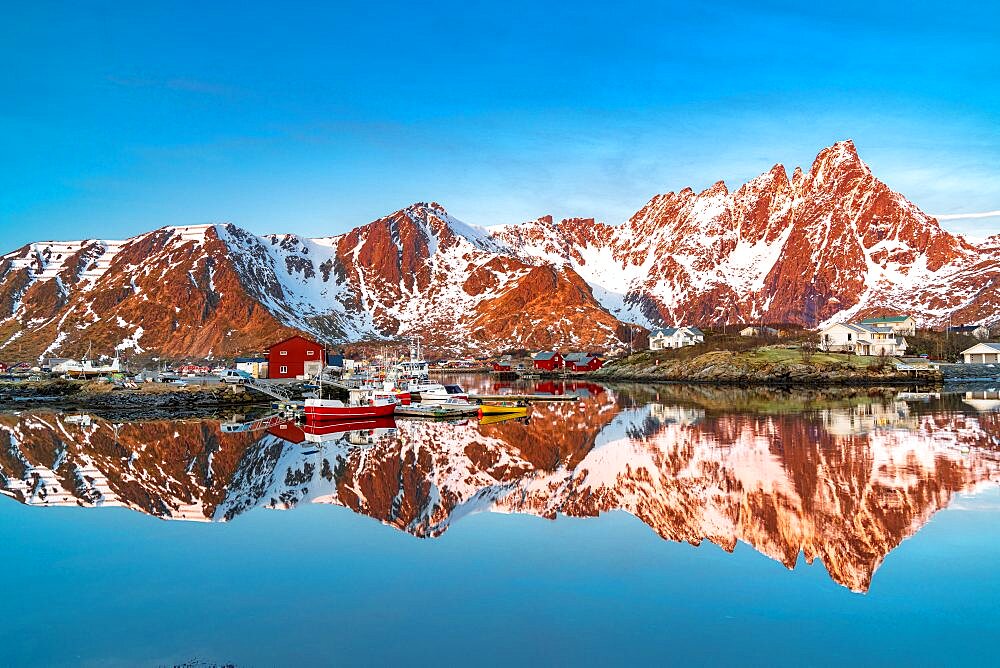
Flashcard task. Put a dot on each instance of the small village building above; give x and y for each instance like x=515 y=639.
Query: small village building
x=675 y=337
x=862 y=339
x=981 y=332
x=3 y=368
x=504 y=365
x=583 y=362
x=904 y=325
x=982 y=353
x=295 y=356
x=255 y=366
x=758 y=330
x=547 y=361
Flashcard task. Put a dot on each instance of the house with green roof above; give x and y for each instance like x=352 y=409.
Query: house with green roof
x=904 y=325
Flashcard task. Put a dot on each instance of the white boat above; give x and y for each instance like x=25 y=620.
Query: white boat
x=87 y=368
x=435 y=393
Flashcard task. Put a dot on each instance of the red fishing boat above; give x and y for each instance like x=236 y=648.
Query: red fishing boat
x=319 y=410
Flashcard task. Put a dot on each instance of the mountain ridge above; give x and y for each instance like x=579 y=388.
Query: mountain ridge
x=821 y=245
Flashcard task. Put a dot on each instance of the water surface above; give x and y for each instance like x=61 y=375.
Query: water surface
x=655 y=524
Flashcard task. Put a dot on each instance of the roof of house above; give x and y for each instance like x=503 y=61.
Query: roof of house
x=572 y=357
x=290 y=338
x=886 y=318
x=250 y=360
x=544 y=355
x=983 y=348
x=584 y=360
x=861 y=327
x=670 y=331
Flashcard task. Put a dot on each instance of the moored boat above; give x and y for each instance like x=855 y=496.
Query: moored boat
x=435 y=393
x=502 y=408
x=332 y=409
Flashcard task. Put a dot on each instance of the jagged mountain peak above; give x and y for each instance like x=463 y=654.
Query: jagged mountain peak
x=837 y=163
x=717 y=189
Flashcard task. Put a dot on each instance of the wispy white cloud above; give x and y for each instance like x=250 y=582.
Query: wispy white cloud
x=965 y=216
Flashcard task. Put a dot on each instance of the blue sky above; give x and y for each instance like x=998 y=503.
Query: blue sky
x=121 y=117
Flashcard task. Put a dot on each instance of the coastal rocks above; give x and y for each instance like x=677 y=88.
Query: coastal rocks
x=107 y=397
x=766 y=366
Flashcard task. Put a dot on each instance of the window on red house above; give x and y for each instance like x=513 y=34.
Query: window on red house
x=284 y=369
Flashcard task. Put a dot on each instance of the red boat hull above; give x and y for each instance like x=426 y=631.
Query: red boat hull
x=328 y=427
x=328 y=413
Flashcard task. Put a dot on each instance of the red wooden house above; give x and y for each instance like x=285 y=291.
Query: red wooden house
x=585 y=363
x=547 y=361
x=294 y=357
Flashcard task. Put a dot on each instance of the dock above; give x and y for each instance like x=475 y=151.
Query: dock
x=523 y=397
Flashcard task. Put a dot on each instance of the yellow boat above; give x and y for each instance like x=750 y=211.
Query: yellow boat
x=511 y=409
x=495 y=419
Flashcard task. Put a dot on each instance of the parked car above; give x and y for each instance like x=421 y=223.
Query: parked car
x=234 y=376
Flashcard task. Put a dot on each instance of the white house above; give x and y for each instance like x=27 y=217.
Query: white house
x=982 y=353
x=903 y=325
x=675 y=337
x=862 y=339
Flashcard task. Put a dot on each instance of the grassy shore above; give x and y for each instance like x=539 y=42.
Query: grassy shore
x=765 y=365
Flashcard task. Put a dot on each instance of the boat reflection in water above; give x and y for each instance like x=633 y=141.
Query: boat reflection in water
x=842 y=477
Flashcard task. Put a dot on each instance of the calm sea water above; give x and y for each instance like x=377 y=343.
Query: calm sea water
x=669 y=524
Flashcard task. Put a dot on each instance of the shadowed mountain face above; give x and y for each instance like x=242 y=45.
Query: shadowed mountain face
x=843 y=479
x=825 y=244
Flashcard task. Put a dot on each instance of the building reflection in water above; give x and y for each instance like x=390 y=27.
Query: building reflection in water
x=843 y=479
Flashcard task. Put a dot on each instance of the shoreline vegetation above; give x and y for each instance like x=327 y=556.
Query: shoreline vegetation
x=768 y=365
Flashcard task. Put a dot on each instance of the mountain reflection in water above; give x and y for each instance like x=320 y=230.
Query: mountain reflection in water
x=839 y=476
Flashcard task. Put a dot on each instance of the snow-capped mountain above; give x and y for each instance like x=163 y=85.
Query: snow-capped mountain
x=217 y=289
x=823 y=245
x=843 y=484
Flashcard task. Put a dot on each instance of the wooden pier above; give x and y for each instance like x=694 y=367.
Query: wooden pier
x=523 y=397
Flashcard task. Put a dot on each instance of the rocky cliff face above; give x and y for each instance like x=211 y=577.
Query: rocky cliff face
x=827 y=244
x=845 y=481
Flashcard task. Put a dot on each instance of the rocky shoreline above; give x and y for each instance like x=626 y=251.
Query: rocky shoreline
x=763 y=367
